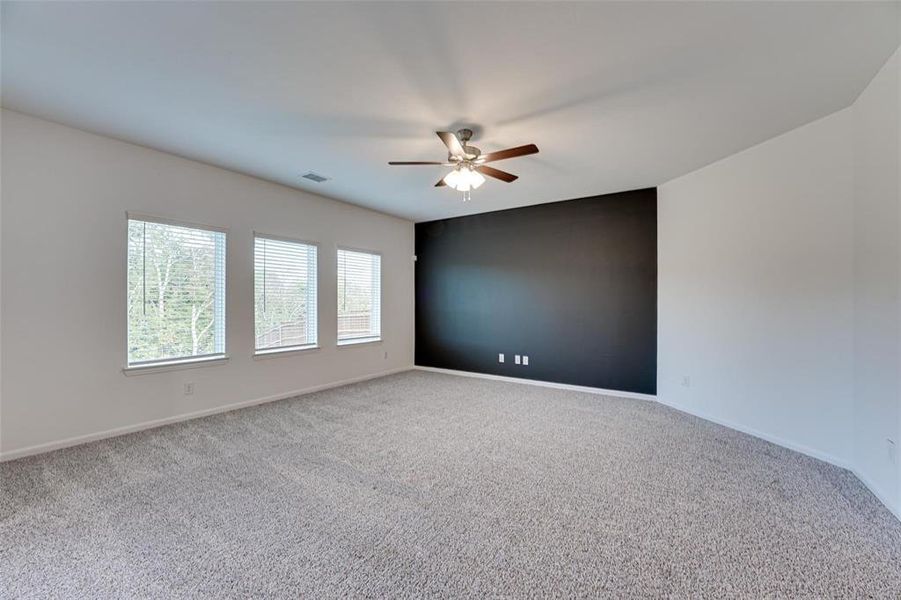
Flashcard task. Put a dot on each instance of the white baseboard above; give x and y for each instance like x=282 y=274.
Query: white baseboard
x=549 y=384
x=592 y=390
x=879 y=493
x=83 y=439
x=101 y=435
x=826 y=457
x=812 y=452
x=833 y=460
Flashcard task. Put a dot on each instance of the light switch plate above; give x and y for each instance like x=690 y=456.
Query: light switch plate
x=516 y=359
x=500 y=358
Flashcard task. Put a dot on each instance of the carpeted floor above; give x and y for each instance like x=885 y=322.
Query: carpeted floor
x=428 y=485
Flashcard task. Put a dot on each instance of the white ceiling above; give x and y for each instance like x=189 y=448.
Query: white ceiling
x=617 y=96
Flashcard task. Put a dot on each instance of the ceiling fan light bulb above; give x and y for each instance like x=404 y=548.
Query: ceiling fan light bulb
x=452 y=179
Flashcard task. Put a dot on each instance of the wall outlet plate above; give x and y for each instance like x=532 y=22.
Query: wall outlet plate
x=525 y=361
x=500 y=357
x=189 y=389
x=516 y=359
x=686 y=381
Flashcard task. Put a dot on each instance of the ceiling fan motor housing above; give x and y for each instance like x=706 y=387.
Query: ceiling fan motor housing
x=470 y=152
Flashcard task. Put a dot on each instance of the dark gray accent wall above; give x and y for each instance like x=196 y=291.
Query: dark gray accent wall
x=572 y=285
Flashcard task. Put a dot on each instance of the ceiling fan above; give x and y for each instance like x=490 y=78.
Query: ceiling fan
x=469 y=162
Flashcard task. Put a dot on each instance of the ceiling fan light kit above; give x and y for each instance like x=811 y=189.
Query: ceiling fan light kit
x=469 y=162
x=463 y=179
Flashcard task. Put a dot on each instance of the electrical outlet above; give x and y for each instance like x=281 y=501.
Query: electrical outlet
x=892 y=451
x=516 y=359
x=500 y=357
x=189 y=389
x=525 y=361
x=686 y=381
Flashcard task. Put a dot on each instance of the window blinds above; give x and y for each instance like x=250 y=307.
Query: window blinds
x=359 y=296
x=284 y=294
x=176 y=292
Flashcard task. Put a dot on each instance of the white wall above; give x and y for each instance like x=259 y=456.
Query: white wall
x=755 y=297
x=877 y=266
x=64 y=197
x=780 y=288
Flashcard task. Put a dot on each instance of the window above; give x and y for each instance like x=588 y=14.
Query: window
x=359 y=297
x=176 y=292
x=284 y=274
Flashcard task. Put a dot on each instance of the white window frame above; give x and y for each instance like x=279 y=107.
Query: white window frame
x=169 y=364
x=372 y=339
x=285 y=350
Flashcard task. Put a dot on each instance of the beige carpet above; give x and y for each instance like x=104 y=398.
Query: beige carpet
x=428 y=485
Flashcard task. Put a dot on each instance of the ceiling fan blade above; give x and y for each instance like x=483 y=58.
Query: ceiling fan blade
x=415 y=162
x=509 y=153
x=497 y=173
x=440 y=183
x=453 y=144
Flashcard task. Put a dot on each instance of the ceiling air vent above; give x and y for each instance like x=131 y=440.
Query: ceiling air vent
x=315 y=177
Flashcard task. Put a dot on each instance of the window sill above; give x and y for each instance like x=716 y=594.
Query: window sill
x=278 y=352
x=359 y=342
x=175 y=365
